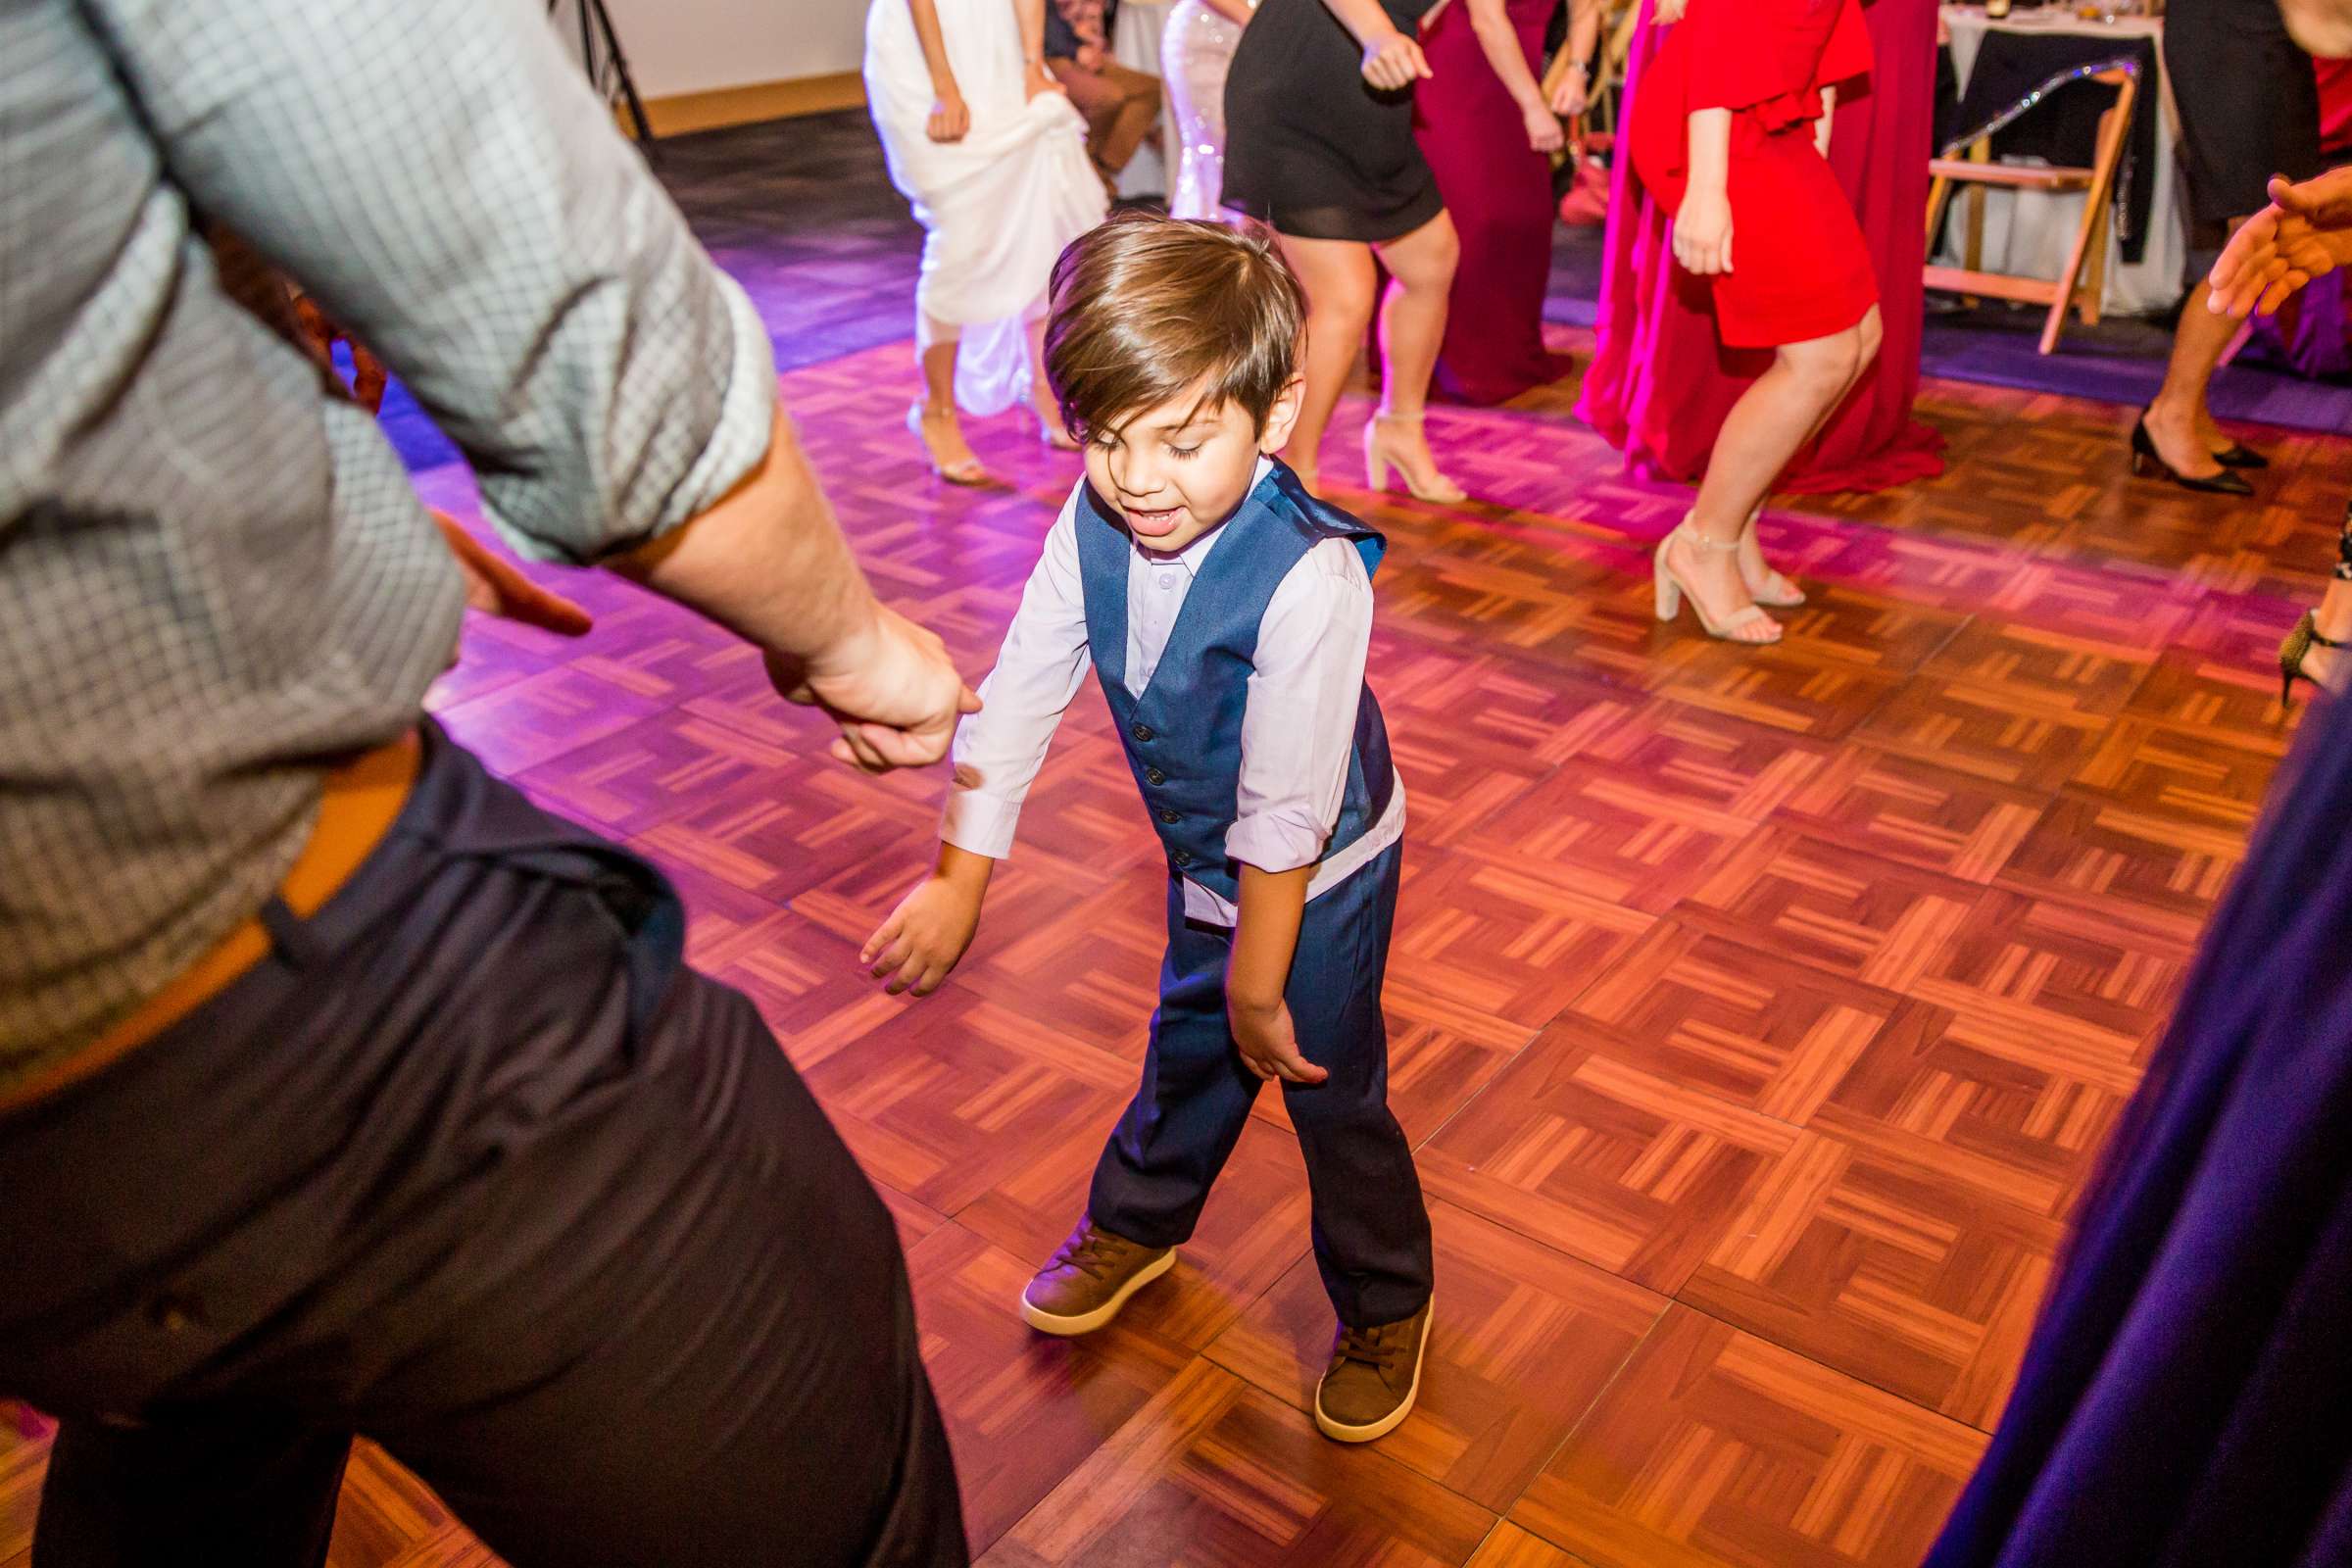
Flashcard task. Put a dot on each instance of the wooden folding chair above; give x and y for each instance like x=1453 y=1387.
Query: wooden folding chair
x=2084 y=277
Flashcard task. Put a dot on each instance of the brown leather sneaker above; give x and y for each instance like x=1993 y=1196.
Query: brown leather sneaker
x=1090 y=1279
x=1373 y=1380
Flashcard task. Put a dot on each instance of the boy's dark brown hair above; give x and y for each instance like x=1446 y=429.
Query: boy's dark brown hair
x=1145 y=307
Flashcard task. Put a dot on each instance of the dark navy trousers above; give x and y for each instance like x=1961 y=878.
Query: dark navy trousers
x=1371 y=1229
x=474 y=1167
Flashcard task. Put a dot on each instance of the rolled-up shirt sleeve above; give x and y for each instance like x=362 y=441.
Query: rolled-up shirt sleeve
x=998 y=749
x=1299 y=728
x=439 y=177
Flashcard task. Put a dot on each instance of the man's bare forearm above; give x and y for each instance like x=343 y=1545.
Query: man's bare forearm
x=767 y=561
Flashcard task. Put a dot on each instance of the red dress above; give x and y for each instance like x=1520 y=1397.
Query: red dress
x=1800 y=268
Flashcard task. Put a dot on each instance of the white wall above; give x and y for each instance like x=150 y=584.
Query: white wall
x=682 y=46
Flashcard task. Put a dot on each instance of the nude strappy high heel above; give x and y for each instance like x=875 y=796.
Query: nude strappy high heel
x=1378 y=461
x=1672 y=591
x=966 y=472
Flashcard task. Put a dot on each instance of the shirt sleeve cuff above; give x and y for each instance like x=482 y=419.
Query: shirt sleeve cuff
x=979 y=824
x=747 y=416
x=1275 y=843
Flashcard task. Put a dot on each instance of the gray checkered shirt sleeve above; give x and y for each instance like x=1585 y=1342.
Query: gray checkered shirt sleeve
x=439 y=177
x=212 y=575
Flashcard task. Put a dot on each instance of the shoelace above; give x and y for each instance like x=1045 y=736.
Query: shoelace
x=1093 y=1255
x=1377 y=1347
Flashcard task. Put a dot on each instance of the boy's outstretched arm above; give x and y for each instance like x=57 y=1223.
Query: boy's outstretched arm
x=997 y=752
x=1265 y=938
x=927 y=935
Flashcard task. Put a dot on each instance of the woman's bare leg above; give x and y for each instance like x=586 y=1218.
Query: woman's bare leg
x=942 y=427
x=1773 y=418
x=1338 y=278
x=1412 y=327
x=1755 y=570
x=2179 y=421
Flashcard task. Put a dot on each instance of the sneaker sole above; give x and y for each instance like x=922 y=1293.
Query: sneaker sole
x=1066 y=1327
x=1339 y=1432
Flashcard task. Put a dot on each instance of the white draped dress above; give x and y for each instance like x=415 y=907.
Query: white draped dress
x=997 y=206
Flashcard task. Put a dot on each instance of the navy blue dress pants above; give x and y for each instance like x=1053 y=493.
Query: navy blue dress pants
x=1371 y=1229
x=472 y=1165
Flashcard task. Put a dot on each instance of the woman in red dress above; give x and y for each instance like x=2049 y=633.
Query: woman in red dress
x=1728 y=131
x=1660 y=384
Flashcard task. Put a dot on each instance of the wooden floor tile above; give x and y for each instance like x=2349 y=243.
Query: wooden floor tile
x=1914 y=812
x=1602 y=1158
x=1983 y=731
x=1511 y=1546
x=658 y=768
x=1887 y=1268
x=1740 y=1023
x=1500 y=936
x=2036 y=667
x=959 y=1092
x=2022 y=1128
x=1023 y=1409
x=2142 y=868
x=1716 y=1450
x=2050 y=983
x=1523 y=1342
x=1837 y=908
x=1215 y=1472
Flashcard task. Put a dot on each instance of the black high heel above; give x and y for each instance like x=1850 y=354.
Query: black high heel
x=2146 y=464
x=2294 y=649
x=2238 y=455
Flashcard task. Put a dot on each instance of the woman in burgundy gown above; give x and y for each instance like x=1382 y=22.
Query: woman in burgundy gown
x=1660 y=384
x=1480 y=120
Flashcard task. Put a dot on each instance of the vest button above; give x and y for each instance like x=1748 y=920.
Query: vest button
x=1141 y=732
x=1153 y=775
x=1170 y=815
x=1181 y=857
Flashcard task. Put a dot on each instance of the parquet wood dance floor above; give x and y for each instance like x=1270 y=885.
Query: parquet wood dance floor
x=1757 y=1014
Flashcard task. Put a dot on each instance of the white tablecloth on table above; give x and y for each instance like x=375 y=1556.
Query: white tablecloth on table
x=2029 y=232
x=1135 y=43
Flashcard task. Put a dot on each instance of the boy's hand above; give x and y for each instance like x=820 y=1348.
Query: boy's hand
x=925 y=937
x=1268 y=1047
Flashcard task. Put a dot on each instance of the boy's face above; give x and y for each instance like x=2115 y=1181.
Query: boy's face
x=1175 y=471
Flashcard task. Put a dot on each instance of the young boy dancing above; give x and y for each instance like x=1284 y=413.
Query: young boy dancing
x=1227 y=613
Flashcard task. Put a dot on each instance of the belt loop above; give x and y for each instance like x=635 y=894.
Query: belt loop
x=296 y=948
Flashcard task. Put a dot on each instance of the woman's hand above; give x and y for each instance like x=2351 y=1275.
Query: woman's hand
x=1702 y=232
x=1036 y=80
x=1571 y=93
x=1544 y=133
x=1393 y=61
x=950 y=119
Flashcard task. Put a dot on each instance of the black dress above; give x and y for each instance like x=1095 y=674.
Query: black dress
x=1310 y=147
x=2249 y=106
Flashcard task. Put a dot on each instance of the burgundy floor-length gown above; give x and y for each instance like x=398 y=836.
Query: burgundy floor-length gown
x=1661 y=383
x=1499 y=192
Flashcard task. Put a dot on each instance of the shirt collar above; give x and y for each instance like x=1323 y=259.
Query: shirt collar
x=1191 y=555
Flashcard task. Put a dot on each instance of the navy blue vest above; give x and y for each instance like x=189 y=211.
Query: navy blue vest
x=1184 y=735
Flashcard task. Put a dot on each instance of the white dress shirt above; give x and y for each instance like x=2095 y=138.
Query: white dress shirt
x=1298 y=729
